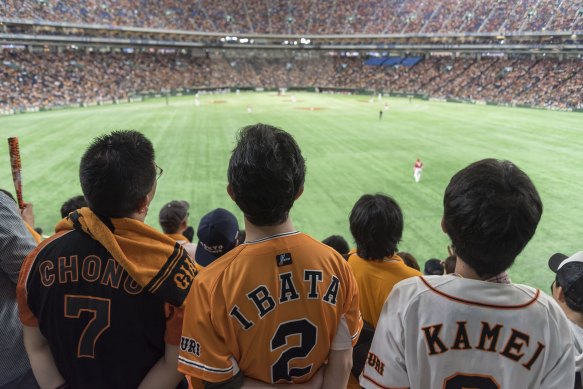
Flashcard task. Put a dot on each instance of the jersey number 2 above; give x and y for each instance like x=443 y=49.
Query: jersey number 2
x=308 y=334
x=461 y=381
x=100 y=308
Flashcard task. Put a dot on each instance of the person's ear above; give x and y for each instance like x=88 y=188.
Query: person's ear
x=143 y=205
x=231 y=192
x=443 y=226
x=560 y=293
x=300 y=191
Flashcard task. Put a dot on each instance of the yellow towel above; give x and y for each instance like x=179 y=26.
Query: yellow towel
x=154 y=260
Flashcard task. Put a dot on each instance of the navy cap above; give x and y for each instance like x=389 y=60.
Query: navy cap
x=217 y=234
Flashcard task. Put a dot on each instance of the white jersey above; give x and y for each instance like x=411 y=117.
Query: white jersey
x=449 y=332
x=578 y=343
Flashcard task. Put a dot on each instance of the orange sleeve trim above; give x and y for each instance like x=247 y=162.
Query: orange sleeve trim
x=26 y=316
x=379 y=385
x=479 y=304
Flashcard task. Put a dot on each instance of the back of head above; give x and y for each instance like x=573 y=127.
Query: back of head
x=338 y=243
x=433 y=267
x=73 y=204
x=172 y=215
x=409 y=260
x=376 y=223
x=491 y=211
x=117 y=172
x=266 y=173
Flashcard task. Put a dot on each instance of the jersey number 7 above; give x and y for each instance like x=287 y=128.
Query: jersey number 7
x=100 y=309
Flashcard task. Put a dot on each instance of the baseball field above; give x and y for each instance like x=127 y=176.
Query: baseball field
x=349 y=152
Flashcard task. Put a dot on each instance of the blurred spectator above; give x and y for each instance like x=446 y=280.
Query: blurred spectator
x=376 y=223
x=73 y=204
x=449 y=264
x=217 y=234
x=15 y=244
x=567 y=290
x=173 y=218
x=433 y=267
x=409 y=260
x=338 y=243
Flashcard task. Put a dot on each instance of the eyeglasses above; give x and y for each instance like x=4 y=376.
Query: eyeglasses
x=159 y=171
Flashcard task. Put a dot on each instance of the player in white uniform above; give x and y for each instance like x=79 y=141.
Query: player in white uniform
x=417 y=170
x=469 y=330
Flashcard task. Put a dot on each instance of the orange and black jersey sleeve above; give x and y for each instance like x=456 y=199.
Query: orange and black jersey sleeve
x=102 y=328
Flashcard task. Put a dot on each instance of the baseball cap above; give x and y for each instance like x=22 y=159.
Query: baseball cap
x=569 y=272
x=172 y=214
x=217 y=234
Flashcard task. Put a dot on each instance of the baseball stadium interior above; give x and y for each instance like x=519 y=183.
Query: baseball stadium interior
x=498 y=82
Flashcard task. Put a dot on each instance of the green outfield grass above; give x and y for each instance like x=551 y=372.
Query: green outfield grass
x=349 y=152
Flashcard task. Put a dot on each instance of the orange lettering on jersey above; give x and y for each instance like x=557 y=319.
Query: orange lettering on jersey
x=68 y=271
x=47 y=276
x=313 y=277
x=376 y=363
x=461 y=338
x=112 y=274
x=538 y=351
x=131 y=286
x=515 y=342
x=91 y=268
x=489 y=334
x=432 y=339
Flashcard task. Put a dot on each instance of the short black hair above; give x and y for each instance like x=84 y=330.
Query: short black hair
x=409 y=260
x=266 y=172
x=117 y=172
x=338 y=243
x=491 y=211
x=73 y=204
x=376 y=223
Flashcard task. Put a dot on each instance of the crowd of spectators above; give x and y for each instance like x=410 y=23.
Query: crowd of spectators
x=48 y=79
x=310 y=16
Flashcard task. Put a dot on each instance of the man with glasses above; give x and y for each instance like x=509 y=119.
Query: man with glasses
x=99 y=299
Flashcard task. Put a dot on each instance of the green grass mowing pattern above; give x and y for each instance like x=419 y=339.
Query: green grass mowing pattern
x=349 y=152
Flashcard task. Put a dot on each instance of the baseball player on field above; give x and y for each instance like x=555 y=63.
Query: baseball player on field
x=277 y=307
x=472 y=329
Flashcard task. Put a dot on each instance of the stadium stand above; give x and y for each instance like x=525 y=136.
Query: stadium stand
x=47 y=79
x=311 y=16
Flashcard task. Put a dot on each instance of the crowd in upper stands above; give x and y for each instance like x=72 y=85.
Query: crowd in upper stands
x=310 y=16
x=48 y=79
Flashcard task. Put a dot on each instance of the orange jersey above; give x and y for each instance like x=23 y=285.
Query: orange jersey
x=375 y=281
x=272 y=309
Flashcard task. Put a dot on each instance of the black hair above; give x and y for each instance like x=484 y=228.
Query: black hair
x=433 y=267
x=338 y=243
x=409 y=260
x=449 y=264
x=117 y=172
x=491 y=211
x=376 y=223
x=73 y=204
x=266 y=172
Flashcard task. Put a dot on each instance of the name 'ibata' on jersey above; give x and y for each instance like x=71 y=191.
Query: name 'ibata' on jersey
x=279 y=306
